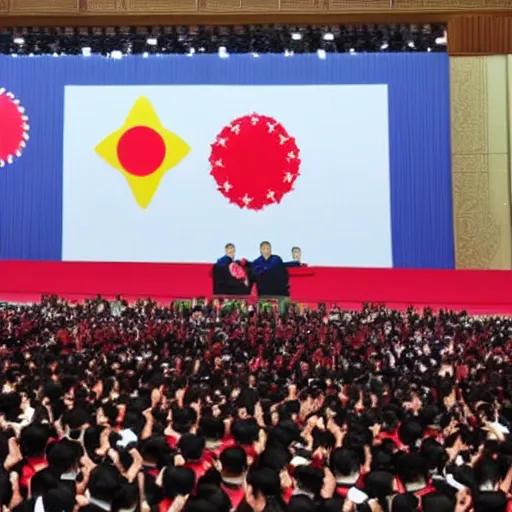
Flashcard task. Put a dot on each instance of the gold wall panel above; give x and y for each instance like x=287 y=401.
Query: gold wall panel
x=161 y=6
x=299 y=5
x=509 y=92
x=38 y=6
x=480 y=162
x=241 y=5
x=103 y=5
x=358 y=4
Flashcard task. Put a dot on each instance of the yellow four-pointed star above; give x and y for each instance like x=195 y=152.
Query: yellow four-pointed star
x=143 y=114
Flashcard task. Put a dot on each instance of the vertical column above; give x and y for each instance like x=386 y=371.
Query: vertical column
x=480 y=162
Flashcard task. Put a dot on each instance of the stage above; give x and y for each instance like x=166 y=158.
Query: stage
x=476 y=291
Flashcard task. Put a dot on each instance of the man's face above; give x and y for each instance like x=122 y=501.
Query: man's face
x=230 y=251
x=296 y=254
x=266 y=250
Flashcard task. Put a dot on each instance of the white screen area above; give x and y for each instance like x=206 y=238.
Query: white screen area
x=338 y=212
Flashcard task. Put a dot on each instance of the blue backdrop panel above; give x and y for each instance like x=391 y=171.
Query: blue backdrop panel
x=421 y=200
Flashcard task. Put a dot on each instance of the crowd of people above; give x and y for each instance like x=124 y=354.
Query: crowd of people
x=213 y=407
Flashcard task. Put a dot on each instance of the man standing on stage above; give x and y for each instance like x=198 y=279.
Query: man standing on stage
x=230 y=276
x=296 y=258
x=270 y=273
x=267 y=260
x=229 y=257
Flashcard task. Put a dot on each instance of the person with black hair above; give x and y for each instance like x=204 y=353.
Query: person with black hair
x=215 y=496
x=176 y=482
x=55 y=500
x=33 y=442
x=346 y=468
x=233 y=466
x=302 y=503
x=438 y=502
x=413 y=475
x=309 y=481
x=213 y=431
x=103 y=485
x=270 y=273
x=263 y=491
x=191 y=447
x=296 y=260
x=246 y=434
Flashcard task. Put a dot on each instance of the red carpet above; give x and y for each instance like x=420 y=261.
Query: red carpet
x=476 y=291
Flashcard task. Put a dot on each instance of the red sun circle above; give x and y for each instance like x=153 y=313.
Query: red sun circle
x=13 y=128
x=254 y=161
x=141 y=150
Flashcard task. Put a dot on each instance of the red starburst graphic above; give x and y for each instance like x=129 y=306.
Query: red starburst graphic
x=254 y=161
x=13 y=128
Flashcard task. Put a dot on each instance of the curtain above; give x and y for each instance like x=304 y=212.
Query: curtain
x=419 y=132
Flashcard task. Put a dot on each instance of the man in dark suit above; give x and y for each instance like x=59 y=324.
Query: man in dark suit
x=229 y=257
x=296 y=260
x=270 y=273
x=229 y=275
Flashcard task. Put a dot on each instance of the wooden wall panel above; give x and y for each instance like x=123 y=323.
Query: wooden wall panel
x=103 y=5
x=161 y=6
x=300 y=5
x=261 y=5
x=162 y=12
x=221 y=5
x=338 y=5
x=480 y=34
x=452 y=4
x=239 y=5
x=38 y=6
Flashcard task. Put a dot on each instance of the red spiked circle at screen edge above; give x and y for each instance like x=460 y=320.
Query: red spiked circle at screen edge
x=14 y=128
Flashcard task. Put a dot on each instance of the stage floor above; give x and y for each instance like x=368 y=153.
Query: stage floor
x=477 y=291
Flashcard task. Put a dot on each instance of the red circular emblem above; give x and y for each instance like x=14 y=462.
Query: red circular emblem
x=254 y=161
x=13 y=128
x=141 y=151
